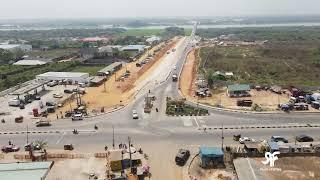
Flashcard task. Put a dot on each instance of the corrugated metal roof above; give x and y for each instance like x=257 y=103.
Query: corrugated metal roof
x=239 y=87
x=63 y=74
x=29 y=62
x=110 y=68
x=24 y=170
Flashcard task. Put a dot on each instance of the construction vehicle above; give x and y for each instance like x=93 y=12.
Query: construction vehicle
x=147 y=104
x=174 y=77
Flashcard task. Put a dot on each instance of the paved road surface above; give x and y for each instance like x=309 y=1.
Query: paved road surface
x=155 y=130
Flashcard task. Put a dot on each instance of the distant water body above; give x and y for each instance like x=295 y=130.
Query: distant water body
x=21 y=28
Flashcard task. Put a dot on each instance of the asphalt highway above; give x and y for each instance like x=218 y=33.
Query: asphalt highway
x=156 y=126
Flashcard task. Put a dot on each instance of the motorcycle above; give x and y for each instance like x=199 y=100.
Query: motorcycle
x=95 y=127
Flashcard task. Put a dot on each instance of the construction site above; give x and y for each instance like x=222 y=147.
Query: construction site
x=122 y=85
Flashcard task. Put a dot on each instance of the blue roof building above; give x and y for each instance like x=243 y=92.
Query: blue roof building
x=211 y=155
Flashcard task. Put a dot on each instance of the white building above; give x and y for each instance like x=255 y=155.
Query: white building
x=75 y=77
x=14 y=47
x=153 y=39
x=134 y=48
x=32 y=62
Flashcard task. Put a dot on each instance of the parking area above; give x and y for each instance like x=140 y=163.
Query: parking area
x=54 y=95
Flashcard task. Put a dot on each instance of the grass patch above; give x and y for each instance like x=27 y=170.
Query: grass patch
x=178 y=108
x=54 y=53
x=272 y=64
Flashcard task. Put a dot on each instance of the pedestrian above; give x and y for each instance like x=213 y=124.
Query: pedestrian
x=57 y=116
x=10 y=142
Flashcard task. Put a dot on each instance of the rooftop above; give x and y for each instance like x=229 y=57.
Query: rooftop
x=110 y=68
x=8 y=46
x=64 y=74
x=134 y=47
x=209 y=151
x=239 y=87
x=30 y=62
x=24 y=170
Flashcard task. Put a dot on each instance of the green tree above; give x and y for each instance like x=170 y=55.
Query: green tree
x=6 y=56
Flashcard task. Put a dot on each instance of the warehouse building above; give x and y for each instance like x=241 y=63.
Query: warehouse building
x=74 y=77
x=14 y=47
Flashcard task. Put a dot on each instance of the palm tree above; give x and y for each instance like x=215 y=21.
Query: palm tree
x=41 y=143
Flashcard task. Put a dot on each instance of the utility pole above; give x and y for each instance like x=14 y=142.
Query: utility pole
x=113 y=136
x=222 y=137
x=27 y=134
x=129 y=139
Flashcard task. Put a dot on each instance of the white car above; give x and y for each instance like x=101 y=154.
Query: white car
x=77 y=117
x=174 y=67
x=135 y=114
x=57 y=95
x=245 y=139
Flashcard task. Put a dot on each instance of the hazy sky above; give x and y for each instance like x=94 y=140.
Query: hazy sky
x=154 y=8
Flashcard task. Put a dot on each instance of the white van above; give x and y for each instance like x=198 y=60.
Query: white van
x=14 y=102
x=77 y=117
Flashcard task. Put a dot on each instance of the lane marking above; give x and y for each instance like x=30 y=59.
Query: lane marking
x=195 y=119
x=252 y=171
x=61 y=137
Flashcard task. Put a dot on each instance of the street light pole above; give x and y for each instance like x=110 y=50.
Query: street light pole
x=113 y=136
x=129 y=139
x=27 y=134
x=222 y=137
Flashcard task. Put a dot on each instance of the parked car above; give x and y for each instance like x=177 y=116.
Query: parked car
x=52 y=83
x=68 y=91
x=49 y=103
x=57 y=95
x=182 y=156
x=37 y=98
x=304 y=138
x=77 y=117
x=242 y=140
x=14 y=102
x=68 y=147
x=32 y=145
x=246 y=103
x=279 y=139
x=10 y=148
x=135 y=114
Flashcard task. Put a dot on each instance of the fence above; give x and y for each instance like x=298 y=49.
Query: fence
x=51 y=156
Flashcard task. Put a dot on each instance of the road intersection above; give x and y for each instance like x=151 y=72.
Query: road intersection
x=157 y=126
